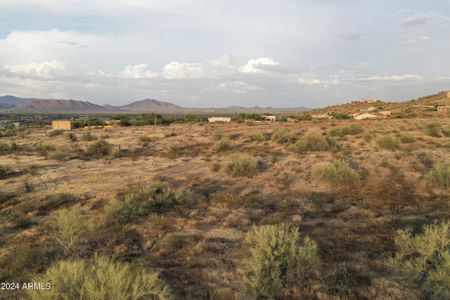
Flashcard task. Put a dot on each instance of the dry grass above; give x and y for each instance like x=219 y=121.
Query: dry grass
x=193 y=231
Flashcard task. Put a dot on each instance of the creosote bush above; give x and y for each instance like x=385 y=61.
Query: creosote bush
x=98 y=149
x=43 y=148
x=99 y=278
x=282 y=135
x=241 y=164
x=256 y=136
x=223 y=144
x=425 y=259
x=55 y=132
x=346 y=130
x=407 y=138
x=338 y=173
x=89 y=137
x=71 y=228
x=277 y=260
x=433 y=129
x=389 y=142
x=312 y=142
x=439 y=175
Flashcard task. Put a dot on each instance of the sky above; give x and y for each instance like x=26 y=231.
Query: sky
x=217 y=53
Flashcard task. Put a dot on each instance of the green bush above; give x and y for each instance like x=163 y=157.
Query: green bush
x=60 y=154
x=55 y=132
x=282 y=135
x=217 y=136
x=439 y=175
x=144 y=140
x=433 y=129
x=119 y=213
x=43 y=148
x=98 y=149
x=99 y=278
x=256 y=136
x=5 y=171
x=277 y=260
x=89 y=137
x=425 y=259
x=389 y=142
x=223 y=144
x=240 y=164
x=312 y=142
x=72 y=137
x=71 y=229
x=346 y=130
x=338 y=173
x=407 y=138
x=345 y=279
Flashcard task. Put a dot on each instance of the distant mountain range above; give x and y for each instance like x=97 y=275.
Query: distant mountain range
x=10 y=103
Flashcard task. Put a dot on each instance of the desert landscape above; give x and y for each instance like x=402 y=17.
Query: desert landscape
x=195 y=203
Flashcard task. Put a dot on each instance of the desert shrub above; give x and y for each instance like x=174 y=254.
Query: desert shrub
x=425 y=259
x=312 y=142
x=144 y=140
x=277 y=260
x=389 y=142
x=89 y=137
x=140 y=202
x=43 y=148
x=99 y=278
x=98 y=149
x=71 y=228
x=55 y=132
x=72 y=137
x=407 y=138
x=368 y=137
x=217 y=136
x=433 y=129
x=344 y=279
x=223 y=144
x=5 y=148
x=338 y=173
x=256 y=136
x=439 y=175
x=446 y=131
x=346 y=130
x=282 y=135
x=5 y=171
x=240 y=164
x=60 y=154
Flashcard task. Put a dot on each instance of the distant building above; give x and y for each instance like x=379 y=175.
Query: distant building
x=369 y=109
x=366 y=116
x=291 y=120
x=62 y=125
x=219 y=120
x=322 y=116
x=443 y=108
x=424 y=107
x=386 y=113
x=269 y=118
x=448 y=94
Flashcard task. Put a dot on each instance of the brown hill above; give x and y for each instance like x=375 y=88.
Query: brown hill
x=149 y=105
x=55 y=106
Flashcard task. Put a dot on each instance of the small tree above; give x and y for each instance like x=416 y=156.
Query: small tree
x=277 y=260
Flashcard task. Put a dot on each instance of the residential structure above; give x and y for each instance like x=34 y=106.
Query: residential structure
x=62 y=125
x=366 y=116
x=443 y=108
x=269 y=118
x=219 y=120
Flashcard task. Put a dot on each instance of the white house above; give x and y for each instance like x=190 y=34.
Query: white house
x=219 y=120
x=364 y=116
x=269 y=118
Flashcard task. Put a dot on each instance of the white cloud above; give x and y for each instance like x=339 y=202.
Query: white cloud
x=258 y=65
x=405 y=77
x=139 y=71
x=45 y=69
x=237 y=87
x=415 y=39
x=180 y=70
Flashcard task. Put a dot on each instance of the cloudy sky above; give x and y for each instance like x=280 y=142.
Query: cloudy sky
x=216 y=53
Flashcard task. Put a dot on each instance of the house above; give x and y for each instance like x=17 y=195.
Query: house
x=291 y=120
x=219 y=120
x=369 y=109
x=269 y=118
x=366 y=116
x=322 y=116
x=424 y=107
x=387 y=113
x=443 y=108
x=62 y=125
